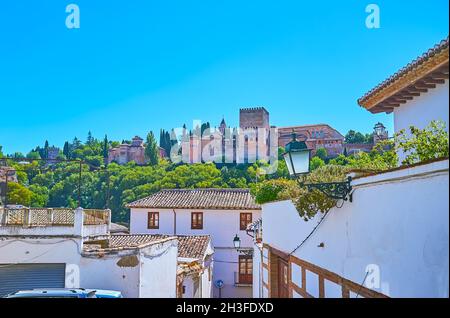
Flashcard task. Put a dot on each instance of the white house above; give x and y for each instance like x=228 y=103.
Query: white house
x=392 y=239
x=64 y=248
x=220 y=213
x=416 y=94
x=195 y=266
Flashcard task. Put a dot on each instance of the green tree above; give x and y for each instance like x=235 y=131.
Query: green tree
x=45 y=156
x=19 y=194
x=322 y=154
x=151 y=149
x=76 y=143
x=354 y=137
x=105 y=147
x=18 y=155
x=89 y=140
x=316 y=162
x=33 y=155
x=423 y=144
x=39 y=197
x=273 y=190
x=66 y=150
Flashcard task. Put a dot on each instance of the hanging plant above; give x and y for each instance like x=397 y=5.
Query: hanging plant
x=308 y=203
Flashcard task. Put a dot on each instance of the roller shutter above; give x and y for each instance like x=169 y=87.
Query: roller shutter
x=14 y=277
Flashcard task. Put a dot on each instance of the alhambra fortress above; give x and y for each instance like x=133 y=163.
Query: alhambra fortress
x=254 y=139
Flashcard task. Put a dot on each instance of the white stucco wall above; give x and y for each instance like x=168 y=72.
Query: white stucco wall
x=221 y=225
x=158 y=272
x=104 y=273
x=44 y=250
x=420 y=111
x=155 y=276
x=257 y=271
x=398 y=221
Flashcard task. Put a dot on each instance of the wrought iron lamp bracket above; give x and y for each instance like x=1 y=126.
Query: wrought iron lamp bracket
x=334 y=190
x=246 y=252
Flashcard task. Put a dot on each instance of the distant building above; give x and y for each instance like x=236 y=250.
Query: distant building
x=379 y=134
x=52 y=153
x=128 y=152
x=254 y=117
x=6 y=172
x=162 y=152
x=249 y=143
x=317 y=136
x=252 y=141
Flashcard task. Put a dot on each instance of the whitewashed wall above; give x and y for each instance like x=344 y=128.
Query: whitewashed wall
x=158 y=271
x=155 y=276
x=104 y=273
x=46 y=250
x=257 y=271
x=420 y=111
x=398 y=221
x=221 y=225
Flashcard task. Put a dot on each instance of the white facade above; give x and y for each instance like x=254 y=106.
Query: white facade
x=199 y=284
x=148 y=271
x=221 y=225
x=420 y=111
x=397 y=223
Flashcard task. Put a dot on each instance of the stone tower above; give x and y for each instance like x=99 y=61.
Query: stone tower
x=255 y=117
x=223 y=126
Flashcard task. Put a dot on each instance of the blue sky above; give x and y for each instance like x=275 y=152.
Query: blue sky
x=142 y=65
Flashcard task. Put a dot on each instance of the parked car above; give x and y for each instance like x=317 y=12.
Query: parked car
x=65 y=293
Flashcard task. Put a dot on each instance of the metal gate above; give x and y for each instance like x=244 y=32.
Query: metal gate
x=15 y=277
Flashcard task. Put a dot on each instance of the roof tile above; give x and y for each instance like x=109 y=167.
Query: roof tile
x=226 y=199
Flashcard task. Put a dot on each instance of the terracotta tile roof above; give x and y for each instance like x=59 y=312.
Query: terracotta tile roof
x=117 y=228
x=193 y=246
x=428 y=62
x=189 y=246
x=226 y=199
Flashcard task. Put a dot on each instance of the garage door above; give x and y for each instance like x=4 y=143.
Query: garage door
x=14 y=277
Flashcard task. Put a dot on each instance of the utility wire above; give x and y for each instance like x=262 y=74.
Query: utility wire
x=362 y=284
x=310 y=234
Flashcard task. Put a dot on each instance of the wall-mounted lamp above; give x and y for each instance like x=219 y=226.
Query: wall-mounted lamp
x=297 y=157
x=237 y=246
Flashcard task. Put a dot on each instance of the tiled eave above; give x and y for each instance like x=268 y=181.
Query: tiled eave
x=164 y=207
x=425 y=73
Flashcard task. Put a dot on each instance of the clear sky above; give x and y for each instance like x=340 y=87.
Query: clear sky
x=142 y=65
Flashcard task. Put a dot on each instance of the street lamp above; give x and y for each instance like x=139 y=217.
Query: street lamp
x=297 y=157
x=237 y=242
x=380 y=130
x=237 y=246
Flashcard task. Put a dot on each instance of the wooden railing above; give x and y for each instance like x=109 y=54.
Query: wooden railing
x=297 y=279
x=32 y=217
x=96 y=217
x=348 y=288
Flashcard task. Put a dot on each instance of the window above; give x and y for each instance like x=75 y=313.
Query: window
x=197 y=220
x=245 y=269
x=153 y=220
x=245 y=219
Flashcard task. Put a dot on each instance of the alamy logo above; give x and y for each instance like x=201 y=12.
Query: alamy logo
x=72 y=276
x=73 y=19
x=373 y=19
x=373 y=276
